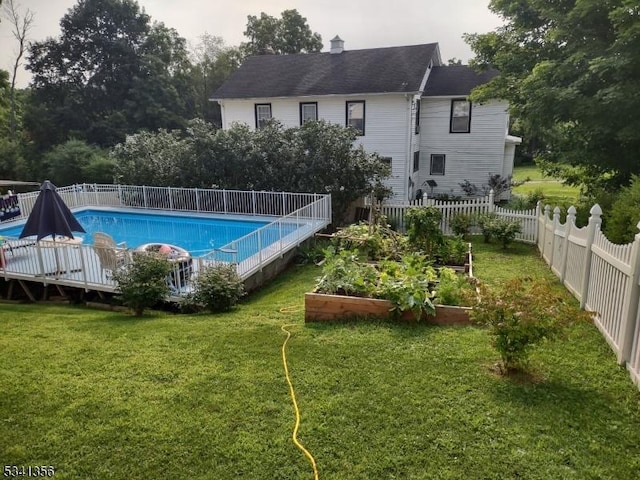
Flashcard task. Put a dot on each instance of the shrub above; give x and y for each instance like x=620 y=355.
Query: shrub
x=486 y=223
x=453 y=289
x=143 y=283
x=520 y=315
x=503 y=229
x=423 y=228
x=460 y=223
x=218 y=287
x=625 y=214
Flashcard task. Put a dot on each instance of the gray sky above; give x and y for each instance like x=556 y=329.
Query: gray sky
x=360 y=23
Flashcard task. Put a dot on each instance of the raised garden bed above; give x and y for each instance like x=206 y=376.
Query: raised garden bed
x=319 y=307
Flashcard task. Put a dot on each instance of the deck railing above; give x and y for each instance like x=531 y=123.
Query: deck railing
x=203 y=200
x=296 y=217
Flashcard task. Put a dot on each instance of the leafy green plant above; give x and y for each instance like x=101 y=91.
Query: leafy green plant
x=520 y=315
x=503 y=229
x=374 y=242
x=218 y=287
x=454 y=289
x=143 y=283
x=460 y=223
x=344 y=274
x=452 y=251
x=423 y=228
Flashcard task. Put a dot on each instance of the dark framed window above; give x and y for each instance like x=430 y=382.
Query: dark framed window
x=460 y=116
x=355 y=116
x=308 y=111
x=263 y=114
x=416 y=161
x=417 y=116
x=438 y=161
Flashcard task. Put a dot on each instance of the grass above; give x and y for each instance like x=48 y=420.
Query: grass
x=103 y=395
x=555 y=192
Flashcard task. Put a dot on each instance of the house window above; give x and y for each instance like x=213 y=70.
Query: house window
x=437 y=164
x=460 y=116
x=263 y=114
x=417 y=117
x=416 y=161
x=386 y=160
x=308 y=111
x=355 y=116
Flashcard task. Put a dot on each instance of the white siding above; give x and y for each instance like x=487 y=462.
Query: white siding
x=387 y=120
x=469 y=156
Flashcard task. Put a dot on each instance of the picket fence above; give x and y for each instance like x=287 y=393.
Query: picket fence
x=395 y=213
x=604 y=277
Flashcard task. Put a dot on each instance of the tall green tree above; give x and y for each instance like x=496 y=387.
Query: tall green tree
x=288 y=34
x=111 y=72
x=571 y=70
x=213 y=62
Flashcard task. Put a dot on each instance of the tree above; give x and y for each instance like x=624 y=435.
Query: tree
x=571 y=73
x=316 y=157
x=110 y=73
x=285 y=35
x=76 y=162
x=213 y=62
x=20 y=29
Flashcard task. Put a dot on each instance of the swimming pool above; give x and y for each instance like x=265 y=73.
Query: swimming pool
x=198 y=233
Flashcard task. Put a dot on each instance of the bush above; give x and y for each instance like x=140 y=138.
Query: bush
x=143 y=283
x=218 y=287
x=453 y=289
x=370 y=241
x=423 y=228
x=460 y=223
x=625 y=214
x=520 y=315
x=503 y=229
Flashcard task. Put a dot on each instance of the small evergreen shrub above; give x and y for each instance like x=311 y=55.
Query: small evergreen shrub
x=218 y=287
x=520 y=315
x=143 y=282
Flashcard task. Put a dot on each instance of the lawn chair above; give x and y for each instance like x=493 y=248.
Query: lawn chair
x=112 y=255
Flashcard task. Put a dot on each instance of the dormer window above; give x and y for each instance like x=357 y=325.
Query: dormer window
x=460 y=116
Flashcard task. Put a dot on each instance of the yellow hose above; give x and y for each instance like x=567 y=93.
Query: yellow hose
x=294 y=436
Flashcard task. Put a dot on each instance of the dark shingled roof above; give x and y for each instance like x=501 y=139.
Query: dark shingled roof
x=375 y=70
x=455 y=80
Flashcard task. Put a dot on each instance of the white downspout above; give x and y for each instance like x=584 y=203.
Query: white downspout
x=409 y=162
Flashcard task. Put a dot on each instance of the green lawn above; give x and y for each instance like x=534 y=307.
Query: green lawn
x=103 y=395
x=552 y=188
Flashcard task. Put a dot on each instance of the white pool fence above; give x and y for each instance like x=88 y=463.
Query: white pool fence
x=295 y=217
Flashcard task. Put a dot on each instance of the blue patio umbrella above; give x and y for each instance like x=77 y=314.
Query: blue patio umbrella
x=50 y=216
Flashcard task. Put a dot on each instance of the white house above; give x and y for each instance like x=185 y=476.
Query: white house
x=404 y=103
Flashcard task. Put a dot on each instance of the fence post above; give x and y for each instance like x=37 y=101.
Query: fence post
x=569 y=224
x=630 y=304
x=556 y=222
x=492 y=205
x=144 y=195
x=538 y=212
x=595 y=221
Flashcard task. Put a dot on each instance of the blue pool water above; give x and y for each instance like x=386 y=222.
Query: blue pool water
x=196 y=234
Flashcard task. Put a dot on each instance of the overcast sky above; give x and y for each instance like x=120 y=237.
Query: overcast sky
x=360 y=23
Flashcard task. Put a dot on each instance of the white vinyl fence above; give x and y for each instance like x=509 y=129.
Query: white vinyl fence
x=395 y=213
x=603 y=276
